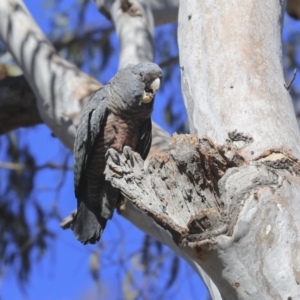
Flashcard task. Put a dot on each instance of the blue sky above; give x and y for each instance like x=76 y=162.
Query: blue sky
x=63 y=271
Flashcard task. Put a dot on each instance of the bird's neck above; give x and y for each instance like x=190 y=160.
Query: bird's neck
x=125 y=109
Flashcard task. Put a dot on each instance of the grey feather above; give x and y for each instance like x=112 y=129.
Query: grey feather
x=90 y=125
x=144 y=144
x=88 y=224
x=121 y=101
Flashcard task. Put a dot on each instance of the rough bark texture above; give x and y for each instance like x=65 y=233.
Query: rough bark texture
x=225 y=198
x=62 y=91
x=134 y=25
x=192 y=170
x=233 y=218
x=228 y=195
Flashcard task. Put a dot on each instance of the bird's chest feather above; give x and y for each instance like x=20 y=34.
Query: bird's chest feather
x=118 y=133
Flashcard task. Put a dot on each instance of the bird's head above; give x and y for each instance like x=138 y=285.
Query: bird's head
x=150 y=75
x=134 y=88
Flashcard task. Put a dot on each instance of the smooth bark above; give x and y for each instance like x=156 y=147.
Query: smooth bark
x=242 y=88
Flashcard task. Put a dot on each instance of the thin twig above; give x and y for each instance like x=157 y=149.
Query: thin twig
x=169 y=61
x=291 y=82
x=22 y=167
x=70 y=39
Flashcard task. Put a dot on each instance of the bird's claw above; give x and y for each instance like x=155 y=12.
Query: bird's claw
x=126 y=160
x=127 y=152
x=113 y=154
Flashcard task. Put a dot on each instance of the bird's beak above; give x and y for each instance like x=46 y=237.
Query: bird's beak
x=155 y=85
x=149 y=93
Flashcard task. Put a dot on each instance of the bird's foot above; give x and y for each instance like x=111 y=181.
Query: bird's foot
x=115 y=156
x=129 y=154
x=133 y=159
x=126 y=162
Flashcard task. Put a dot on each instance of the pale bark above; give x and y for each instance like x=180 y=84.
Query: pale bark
x=224 y=203
x=135 y=27
x=229 y=195
x=60 y=87
x=232 y=218
x=242 y=87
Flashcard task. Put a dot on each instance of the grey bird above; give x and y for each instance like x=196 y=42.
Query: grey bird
x=117 y=115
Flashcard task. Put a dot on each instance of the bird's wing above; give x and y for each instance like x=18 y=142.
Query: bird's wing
x=144 y=143
x=89 y=128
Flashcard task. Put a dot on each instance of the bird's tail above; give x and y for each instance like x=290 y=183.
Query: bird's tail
x=88 y=224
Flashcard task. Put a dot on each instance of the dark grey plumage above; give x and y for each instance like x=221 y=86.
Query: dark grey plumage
x=117 y=115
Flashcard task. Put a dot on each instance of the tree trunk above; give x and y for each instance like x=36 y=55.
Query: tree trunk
x=223 y=198
x=227 y=195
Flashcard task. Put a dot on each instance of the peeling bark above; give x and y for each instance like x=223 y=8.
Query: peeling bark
x=187 y=178
x=225 y=200
x=232 y=218
x=228 y=196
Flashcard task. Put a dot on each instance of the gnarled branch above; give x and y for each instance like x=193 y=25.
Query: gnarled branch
x=212 y=202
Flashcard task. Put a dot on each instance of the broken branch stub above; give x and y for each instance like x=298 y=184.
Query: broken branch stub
x=180 y=190
x=187 y=190
x=222 y=211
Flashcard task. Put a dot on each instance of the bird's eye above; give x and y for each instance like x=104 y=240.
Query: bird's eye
x=147 y=90
x=141 y=75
